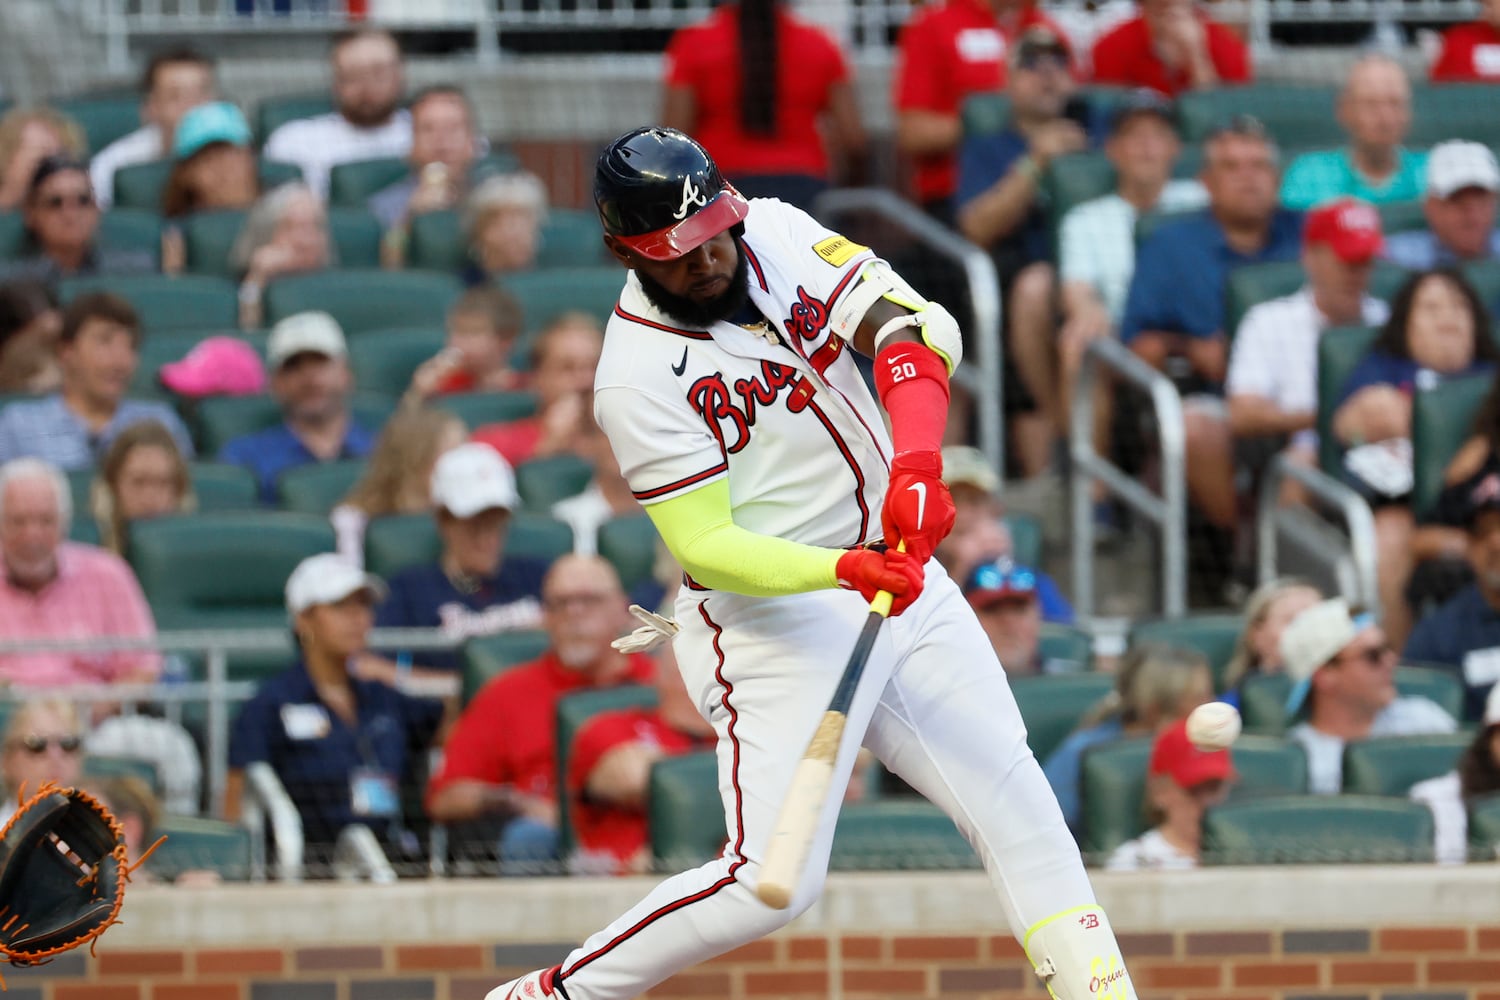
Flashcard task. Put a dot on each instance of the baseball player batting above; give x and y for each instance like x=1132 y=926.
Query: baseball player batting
x=732 y=401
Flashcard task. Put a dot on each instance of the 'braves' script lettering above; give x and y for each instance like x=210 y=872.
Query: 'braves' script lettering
x=734 y=413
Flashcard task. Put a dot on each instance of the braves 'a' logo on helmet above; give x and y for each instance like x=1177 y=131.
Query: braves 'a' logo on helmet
x=691 y=198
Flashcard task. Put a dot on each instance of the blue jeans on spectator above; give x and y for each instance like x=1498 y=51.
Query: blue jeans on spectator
x=527 y=847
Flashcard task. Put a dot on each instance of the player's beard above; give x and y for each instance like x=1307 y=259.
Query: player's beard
x=702 y=315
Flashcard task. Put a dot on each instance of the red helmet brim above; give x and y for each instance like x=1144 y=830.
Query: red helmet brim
x=727 y=209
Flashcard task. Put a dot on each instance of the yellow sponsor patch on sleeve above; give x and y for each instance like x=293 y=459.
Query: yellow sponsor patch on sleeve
x=838 y=250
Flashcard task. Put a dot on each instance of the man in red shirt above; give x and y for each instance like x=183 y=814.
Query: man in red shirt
x=1471 y=52
x=567 y=352
x=949 y=52
x=501 y=760
x=1171 y=47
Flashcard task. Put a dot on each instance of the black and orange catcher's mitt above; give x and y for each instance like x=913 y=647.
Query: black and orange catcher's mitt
x=63 y=872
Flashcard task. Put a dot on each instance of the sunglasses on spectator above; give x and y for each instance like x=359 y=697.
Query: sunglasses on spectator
x=57 y=201
x=37 y=745
x=1043 y=60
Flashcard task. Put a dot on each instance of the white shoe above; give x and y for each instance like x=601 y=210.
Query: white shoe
x=532 y=986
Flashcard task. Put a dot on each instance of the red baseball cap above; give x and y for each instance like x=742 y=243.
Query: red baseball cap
x=1349 y=226
x=1174 y=755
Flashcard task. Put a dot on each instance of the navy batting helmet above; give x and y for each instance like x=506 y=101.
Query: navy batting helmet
x=660 y=193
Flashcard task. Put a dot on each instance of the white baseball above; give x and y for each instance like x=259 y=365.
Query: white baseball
x=1213 y=726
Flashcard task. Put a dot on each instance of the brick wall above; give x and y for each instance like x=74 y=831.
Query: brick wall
x=1388 y=963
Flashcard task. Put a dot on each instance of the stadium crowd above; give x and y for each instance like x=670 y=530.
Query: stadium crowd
x=336 y=371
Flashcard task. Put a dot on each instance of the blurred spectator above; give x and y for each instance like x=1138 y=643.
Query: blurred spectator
x=473 y=589
x=61 y=229
x=29 y=325
x=500 y=762
x=444 y=148
x=98 y=349
x=398 y=479
x=214 y=164
x=1374 y=110
x=1154 y=687
x=607 y=495
x=369 y=123
x=1174 y=313
x=285 y=233
x=609 y=773
x=760 y=88
x=1471 y=52
x=1464 y=634
x=567 y=352
x=1268 y=611
x=43 y=742
x=1343 y=671
x=339 y=744
x=142 y=475
x=1171 y=47
x=1477 y=775
x=1182 y=783
x=1006 y=600
x=1460 y=201
x=1272 y=383
x=175 y=82
x=311 y=381
x=483 y=327
x=139 y=812
x=502 y=222
x=55 y=589
x=1438 y=330
x=1000 y=208
x=27 y=137
x=950 y=51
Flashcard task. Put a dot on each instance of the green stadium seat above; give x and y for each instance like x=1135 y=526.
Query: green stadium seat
x=1113 y=789
x=1484 y=275
x=1263 y=703
x=131 y=229
x=195 y=842
x=1484 y=827
x=12 y=235
x=207 y=239
x=1265 y=765
x=1211 y=635
x=1340 y=350
x=350 y=185
x=1391 y=765
x=629 y=543
x=142 y=185
x=486 y=657
x=1074 y=179
x=1067 y=643
x=479 y=408
x=355 y=235
x=544 y=481
x=103 y=117
x=122 y=767
x=544 y=295
x=435 y=242
x=221 y=487
x=364 y=300
x=275 y=112
x=317 y=489
x=399 y=540
x=1317 y=829
x=898 y=834
x=1051 y=705
x=1297 y=116
x=1452 y=110
x=1442 y=420
x=85 y=531
x=538 y=537
x=217 y=420
x=160 y=347
x=572 y=712
x=1439 y=685
x=188 y=302
x=686 y=813
x=1256 y=283
x=1025 y=539
x=384 y=360
x=571 y=237
x=1401 y=217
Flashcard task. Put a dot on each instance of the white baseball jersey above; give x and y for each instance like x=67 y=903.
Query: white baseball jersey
x=684 y=407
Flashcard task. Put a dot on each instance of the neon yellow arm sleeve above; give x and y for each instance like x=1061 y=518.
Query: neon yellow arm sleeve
x=700 y=531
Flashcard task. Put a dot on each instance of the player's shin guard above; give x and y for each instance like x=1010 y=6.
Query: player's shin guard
x=1076 y=955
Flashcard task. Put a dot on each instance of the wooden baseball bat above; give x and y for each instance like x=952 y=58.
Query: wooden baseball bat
x=786 y=852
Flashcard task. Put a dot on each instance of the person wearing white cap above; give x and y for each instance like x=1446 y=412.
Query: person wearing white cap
x=310 y=378
x=473 y=588
x=1343 y=672
x=1477 y=773
x=1463 y=190
x=338 y=743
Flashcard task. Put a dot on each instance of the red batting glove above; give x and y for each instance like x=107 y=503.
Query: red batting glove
x=870 y=572
x=918 y=508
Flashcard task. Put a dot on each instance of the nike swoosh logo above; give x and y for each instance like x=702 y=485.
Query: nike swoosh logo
x=681 y=366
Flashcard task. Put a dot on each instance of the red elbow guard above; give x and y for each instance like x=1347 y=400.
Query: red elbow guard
x=912 y=383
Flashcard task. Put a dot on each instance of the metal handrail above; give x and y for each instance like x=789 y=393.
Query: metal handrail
x=357 y=855
x=265 y=796
x=981 y=372
x=1169 y=510
x=1355 y=511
